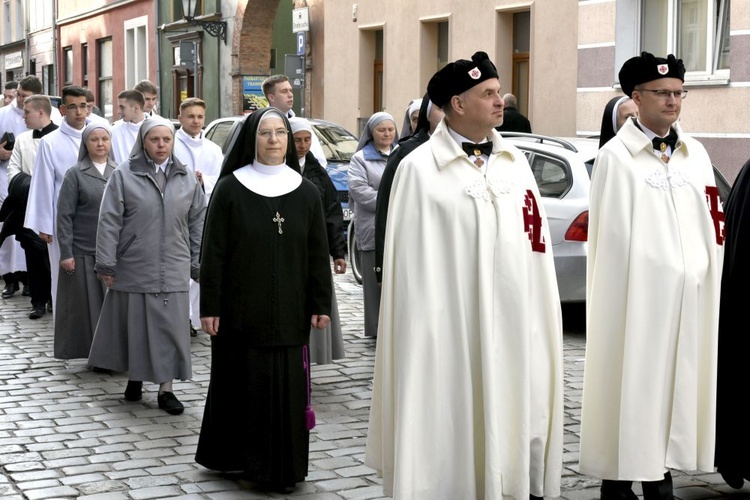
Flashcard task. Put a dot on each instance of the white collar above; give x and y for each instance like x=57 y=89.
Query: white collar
x=268 y=180
x=193 y=142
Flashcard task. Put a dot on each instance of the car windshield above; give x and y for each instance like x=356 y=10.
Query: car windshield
x=338 y=144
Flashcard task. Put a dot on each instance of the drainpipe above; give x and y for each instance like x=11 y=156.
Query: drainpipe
x=157 y=40
x=55 y=60
x=26 y=29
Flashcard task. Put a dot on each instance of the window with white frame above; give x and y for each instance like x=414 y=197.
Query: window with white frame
x=136 y=51
x=696 y=31
x=104 y=63
x=6 y=21
x=20 y=19
x=68 y=65
x=42 y=14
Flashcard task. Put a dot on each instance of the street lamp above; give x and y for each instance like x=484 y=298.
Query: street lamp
x=214 y=28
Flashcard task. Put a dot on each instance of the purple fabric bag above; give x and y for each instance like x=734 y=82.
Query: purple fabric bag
x=309 y=412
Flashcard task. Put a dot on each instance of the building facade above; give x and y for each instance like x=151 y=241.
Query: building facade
x=193 y=59
x=712 y=37
x=13 y=50
x=384 y=53
x=107 y=46
x=560 y=57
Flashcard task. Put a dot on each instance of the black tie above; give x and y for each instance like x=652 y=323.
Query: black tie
x=472 y=149
x=669 y=140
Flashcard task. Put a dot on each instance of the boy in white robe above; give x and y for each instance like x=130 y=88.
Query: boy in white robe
x=124 y=132
x=202 y=157
x=58 y=151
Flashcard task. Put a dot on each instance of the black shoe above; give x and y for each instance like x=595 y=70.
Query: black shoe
x=169 y=403
x=134 y=391
x=617 y=490
x=193 y=331
x=49 y=307
x=283 y=488
x=733 y=478
x=10 y=290
x=106 y=371
x=37 y=312
x=26 y=292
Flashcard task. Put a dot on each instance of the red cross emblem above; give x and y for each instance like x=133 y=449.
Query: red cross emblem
x=717 y=214
x=532 y=222
x=475 y=73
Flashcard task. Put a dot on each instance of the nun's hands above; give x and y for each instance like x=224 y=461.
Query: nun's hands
x=320 y=321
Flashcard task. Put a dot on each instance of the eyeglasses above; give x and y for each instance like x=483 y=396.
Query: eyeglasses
x=665 y=94
x=73 y=107
x=278 y=133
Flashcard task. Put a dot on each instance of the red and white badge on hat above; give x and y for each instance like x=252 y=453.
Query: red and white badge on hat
x=663 y=69
x=475 y=73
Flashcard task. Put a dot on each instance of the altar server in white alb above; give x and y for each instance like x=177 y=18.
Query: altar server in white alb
x=125 y=131
x=467 y=397
x=202 y=157
x=656 y=232
x=58 y=151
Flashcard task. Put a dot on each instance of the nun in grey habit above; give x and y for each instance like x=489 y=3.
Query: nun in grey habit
x=79 y=293
x=147 y=248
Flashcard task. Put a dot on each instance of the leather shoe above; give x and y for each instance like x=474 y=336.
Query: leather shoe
x=37 y=312
x=10 y=290
x=733 y=478
x=49 y=306
x=134 y=391
x=26 y=292
x=169 y=403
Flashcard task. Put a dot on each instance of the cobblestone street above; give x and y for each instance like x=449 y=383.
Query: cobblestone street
x=67 y=432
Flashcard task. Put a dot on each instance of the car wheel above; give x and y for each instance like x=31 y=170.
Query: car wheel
x=354 y=262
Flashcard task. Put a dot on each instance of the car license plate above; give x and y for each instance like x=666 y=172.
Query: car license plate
x=347 y=214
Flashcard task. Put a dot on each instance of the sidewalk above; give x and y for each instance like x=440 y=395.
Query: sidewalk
x=66 y=432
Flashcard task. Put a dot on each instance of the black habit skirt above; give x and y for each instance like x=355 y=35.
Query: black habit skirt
x=254 y=420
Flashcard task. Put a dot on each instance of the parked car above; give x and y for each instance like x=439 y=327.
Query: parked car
x=562 y=169
x=338 y=146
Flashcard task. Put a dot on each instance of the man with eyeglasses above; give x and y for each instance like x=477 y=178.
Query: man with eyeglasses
x=58 y=151
x=656 y=233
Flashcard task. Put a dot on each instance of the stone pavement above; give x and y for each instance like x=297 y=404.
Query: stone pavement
x=66 y=432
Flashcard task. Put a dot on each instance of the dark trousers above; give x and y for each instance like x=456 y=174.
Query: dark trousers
x=38 y=273
x=652 y=490
x=15 y=278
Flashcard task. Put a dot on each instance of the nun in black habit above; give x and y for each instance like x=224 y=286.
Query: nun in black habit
x=265 y=279
x=617 y=110
x=732 y=429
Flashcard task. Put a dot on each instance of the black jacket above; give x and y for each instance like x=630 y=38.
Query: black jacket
x=334 y=216
x=405 y=146
x=13 y=211
x=513 y=121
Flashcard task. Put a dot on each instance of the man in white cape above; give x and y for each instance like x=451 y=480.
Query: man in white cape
x=467 y=397
x=653 y=281
x=202 y=157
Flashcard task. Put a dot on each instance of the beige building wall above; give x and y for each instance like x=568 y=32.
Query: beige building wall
x=410 y=57
x=716 y=113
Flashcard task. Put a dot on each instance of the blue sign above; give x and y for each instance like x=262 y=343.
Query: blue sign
x=301 y=43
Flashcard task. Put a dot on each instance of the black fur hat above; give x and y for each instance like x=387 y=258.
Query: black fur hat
x=646 y=68
x=458 y=77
